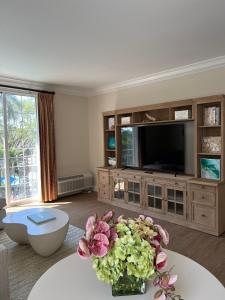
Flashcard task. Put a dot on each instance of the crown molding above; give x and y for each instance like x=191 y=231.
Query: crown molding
x=204 y=65
x=73 y=91
x=58 y=89
x=23 y=83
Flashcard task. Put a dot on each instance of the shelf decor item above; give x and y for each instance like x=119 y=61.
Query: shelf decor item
x=212 y=116
x=211 y=144
x=112 y=161
x=111 y=123
x=111 y=142
x=210 y=168
x=149 y=118
x=125 y=120
x=183 y=114
x=128 y=252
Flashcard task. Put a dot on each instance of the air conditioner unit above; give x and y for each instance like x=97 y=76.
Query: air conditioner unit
x=70 y=185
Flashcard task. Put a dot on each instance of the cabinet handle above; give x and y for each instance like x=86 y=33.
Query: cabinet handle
x=203 y=215
x=203 y=197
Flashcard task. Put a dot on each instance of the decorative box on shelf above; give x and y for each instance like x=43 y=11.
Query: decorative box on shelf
x=211 y=144
x=183 y=114
x=212 y=116
x=111 y=123
x=125 y=120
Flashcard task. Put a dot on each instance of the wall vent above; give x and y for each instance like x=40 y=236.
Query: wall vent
x=70 y=185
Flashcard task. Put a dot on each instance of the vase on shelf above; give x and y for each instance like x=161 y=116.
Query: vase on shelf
x=128 y=285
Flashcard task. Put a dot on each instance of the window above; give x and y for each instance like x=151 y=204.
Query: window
x=19 y=147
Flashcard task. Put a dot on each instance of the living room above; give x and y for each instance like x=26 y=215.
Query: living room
x=99 y=92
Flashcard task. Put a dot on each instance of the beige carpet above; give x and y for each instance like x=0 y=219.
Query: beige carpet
x=25 y=266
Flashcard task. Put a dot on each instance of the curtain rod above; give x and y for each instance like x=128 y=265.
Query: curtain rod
x=26 y=89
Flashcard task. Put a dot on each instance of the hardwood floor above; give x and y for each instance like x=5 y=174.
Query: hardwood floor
x=207 y=250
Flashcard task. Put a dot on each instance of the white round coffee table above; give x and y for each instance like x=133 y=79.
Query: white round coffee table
x=44 y=238
x=73 y=278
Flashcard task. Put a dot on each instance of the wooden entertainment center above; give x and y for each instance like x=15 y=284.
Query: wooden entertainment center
x=187 y=200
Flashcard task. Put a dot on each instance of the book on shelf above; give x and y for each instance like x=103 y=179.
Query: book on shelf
x=211 y=144
x=212 y=116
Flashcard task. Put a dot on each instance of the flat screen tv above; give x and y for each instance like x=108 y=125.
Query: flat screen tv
x=154 y=147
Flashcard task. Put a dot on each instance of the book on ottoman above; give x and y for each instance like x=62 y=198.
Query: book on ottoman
x=41 y=217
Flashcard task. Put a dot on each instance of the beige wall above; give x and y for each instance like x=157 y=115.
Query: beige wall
x=78 y=121
x=71 y=130
x=202 y=84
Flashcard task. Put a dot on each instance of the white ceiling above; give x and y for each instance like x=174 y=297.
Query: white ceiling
x=95 y=43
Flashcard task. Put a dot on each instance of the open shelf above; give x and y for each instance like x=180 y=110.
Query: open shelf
x=158 y=122
x=209 y=154
x=209 y=138
x=150 y=116
x=210 y=126
x=109 y=123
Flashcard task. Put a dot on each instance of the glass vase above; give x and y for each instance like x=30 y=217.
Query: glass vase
x=128 y=285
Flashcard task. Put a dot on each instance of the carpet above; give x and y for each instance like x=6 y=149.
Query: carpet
x=26 y=267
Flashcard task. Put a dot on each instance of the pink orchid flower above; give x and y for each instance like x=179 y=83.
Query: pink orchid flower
x=160 y=295
x=102 y=227
x=167 y=281
x=147 y=219
x=113 y=234
x=163 y=234
x=156 y=244
x=100 y=237
x=90 y=225
x=161 y=260
x=99 y=245
x=82 y=249
x=108 y=216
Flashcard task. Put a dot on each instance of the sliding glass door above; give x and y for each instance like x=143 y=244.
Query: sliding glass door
x=19 y=147
x=2 y=151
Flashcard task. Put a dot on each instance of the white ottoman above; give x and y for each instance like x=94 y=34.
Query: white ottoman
x=44 y=238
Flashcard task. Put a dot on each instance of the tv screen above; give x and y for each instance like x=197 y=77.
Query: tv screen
x=162 y=147
x=154 y=147
x=130 y=147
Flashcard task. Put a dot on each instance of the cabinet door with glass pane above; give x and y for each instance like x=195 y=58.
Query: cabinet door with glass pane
x=133 y=192
x=154 y=197
x=176 y=202
x=118 y=188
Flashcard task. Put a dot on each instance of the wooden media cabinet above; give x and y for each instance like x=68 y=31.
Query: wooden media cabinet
x=187 y=200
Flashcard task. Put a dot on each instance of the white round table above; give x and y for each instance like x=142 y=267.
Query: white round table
x=44 y=238
x=73 y=278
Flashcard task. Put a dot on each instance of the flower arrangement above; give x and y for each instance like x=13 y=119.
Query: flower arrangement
x=128 y=247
